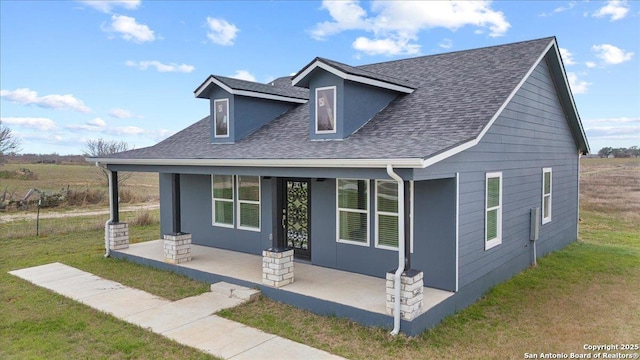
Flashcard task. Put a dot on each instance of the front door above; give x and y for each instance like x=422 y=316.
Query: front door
x=297 y=217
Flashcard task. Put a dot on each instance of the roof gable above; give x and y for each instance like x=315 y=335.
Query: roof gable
x=456 y=98
x=253 y=89
x=351 y=73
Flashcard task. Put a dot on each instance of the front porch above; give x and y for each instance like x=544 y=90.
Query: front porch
x=318 y=289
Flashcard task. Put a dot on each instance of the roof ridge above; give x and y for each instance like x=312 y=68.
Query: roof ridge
x=457 y=51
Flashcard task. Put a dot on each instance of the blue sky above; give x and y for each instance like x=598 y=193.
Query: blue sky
x=71 y=71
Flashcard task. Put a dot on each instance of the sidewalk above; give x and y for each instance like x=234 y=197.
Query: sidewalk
x=188 y=321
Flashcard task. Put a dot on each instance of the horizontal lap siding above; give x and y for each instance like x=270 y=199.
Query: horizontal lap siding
x=530 y=134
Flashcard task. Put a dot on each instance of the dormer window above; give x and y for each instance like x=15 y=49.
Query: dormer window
x=326 y=110
x=221 y=118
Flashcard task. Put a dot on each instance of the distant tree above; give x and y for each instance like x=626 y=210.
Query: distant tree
x=8 y=142
x=605 y=152
x=635 y=151
x=99 y=148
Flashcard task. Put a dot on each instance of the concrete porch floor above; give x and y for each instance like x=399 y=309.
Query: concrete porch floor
x=333 y=286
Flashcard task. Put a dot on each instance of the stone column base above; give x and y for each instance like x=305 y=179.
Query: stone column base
x=118 y=236
x=277 y=267
x=177 y=248
x=411 y=293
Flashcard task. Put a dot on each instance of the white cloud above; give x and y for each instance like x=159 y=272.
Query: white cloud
x=385 y=47
x=611 y=54
x=129 y=29
x=560 y=9
x=446 y=43
x=567 y=57
x=42 y=124
x=59 y=102
x=244 y=75
x=221 y=31
x=97 y=122
x=619 y=120
x=106 y=6
x=160 y=67
x=99 y=126
x=347 y=15
x=615 y=8
x=122 y=114
x=590 y=64
x=396 y=24
x=577 y=86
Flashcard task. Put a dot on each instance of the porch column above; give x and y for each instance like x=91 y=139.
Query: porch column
x=176 y=224
x=118 y=233
x=277 y=261
x=177 y=245
x=411 y=294
x=407 y=225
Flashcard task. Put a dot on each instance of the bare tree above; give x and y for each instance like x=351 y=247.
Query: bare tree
x=98 y=148
x=8 y=142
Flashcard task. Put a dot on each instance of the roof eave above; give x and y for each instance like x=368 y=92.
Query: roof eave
x=202 y=93
x=302 y=77
x=300 y=163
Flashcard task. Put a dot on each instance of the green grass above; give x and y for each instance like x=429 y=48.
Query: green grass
x=37 y=323
x=586 y=292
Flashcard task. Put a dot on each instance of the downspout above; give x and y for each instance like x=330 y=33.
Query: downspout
x=106 y=224
x=401 y=250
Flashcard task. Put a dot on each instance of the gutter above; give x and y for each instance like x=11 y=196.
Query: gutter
x=306 y=163
x=401 y=250
x=106 y=224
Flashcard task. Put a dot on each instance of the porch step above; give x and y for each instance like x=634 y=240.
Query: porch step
x=235 y=291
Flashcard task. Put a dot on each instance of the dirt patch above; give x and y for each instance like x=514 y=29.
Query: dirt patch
x=73 y=213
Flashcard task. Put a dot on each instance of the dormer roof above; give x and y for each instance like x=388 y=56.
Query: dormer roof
x=273 y=91
x=351 y=73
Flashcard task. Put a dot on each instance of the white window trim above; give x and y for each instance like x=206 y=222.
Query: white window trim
x=498 y=240
x=547 y=219
x=338 y=209
x=335 y=110
x=213 y=204
x=377 y=235
x=215 y=133
x=259 y=203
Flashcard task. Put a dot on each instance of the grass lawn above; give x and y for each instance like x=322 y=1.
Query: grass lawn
x=37 y=323
x=587 y=293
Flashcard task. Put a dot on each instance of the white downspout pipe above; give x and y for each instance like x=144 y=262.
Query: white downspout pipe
x=106 y=224
x=401 y=250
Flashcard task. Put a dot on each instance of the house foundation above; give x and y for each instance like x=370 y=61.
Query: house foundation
x=177 y=248
x=118 y=236
x=277 y=267
x=411 y=294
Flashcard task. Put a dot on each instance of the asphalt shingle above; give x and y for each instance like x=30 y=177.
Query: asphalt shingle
x=456 y=95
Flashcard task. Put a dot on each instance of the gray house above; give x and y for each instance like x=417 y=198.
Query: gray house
x=440 y=168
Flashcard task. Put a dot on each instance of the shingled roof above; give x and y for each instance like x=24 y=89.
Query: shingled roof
x=456 y=97
x=253 y=88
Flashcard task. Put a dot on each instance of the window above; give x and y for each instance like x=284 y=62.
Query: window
x=546 y=195
x=221 y=118
x=249 y=202
x=353 y=211
x=493 y=210
x=326 y=110
x=387 y=214
x=222 y=189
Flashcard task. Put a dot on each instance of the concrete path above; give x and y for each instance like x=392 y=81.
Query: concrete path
x=189 y=321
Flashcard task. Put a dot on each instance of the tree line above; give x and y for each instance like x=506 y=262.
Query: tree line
x=606 y=152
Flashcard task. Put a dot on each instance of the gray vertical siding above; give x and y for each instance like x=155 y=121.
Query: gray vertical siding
x=196 y=214
x=530 y=134
x=434 y=232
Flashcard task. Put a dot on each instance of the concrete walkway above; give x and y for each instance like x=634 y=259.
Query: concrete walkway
x=189 y=321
